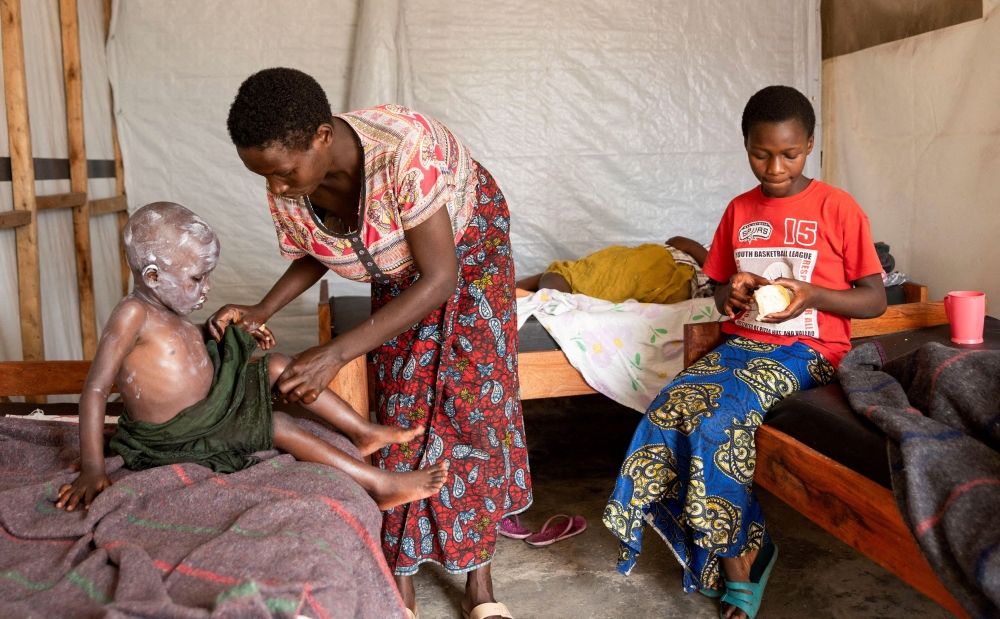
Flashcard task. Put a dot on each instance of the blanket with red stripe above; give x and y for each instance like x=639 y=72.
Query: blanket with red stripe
x=279 y=539
x=940 y=408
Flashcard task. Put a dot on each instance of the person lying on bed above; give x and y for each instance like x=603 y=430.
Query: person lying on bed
x=648 y=273
x=190 y=399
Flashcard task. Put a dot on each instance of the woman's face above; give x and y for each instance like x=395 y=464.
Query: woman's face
x=291 y=173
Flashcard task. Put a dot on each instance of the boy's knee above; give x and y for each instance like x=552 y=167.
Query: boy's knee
x=277 y=362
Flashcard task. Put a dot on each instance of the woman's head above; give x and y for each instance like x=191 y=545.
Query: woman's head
x=280 y=122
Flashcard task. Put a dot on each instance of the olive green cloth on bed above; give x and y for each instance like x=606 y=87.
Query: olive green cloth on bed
x=646 y=273
x=220 y=432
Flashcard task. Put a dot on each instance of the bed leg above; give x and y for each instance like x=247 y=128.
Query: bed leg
x=352 y=385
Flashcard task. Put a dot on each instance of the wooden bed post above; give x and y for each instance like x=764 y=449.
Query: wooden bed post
x=22 y=181
x=70 y=26
x=119 y=167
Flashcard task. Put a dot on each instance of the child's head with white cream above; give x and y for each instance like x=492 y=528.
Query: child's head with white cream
x=171 y=252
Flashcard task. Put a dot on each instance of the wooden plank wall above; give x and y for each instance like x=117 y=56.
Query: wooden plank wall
x=24 y=217
x=22 y=180
x=70 y=27
x=122 y=205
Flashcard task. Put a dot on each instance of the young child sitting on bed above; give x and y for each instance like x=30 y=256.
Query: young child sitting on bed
x=689 y=470
x=648 y=273
x=191 y=401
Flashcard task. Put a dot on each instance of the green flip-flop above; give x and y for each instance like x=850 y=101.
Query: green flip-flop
x=747 y=595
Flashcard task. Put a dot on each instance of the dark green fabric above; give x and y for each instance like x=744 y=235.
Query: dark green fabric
x=220 y=432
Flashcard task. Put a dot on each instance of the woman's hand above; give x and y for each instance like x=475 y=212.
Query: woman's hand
x=250 y=318
x=804 y=296
x=309 y=374
x=739 y=292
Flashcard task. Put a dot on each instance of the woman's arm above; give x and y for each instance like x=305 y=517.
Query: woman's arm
x=432 y=246
x=865 y=300
x=300 y=276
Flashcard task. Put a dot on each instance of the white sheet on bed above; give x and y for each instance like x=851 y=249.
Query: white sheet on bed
x=627 y=351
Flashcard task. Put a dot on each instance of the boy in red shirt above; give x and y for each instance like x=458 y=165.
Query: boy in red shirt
x=689 y=469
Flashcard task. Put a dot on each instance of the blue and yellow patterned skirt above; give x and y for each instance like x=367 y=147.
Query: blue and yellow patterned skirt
x=689 y=469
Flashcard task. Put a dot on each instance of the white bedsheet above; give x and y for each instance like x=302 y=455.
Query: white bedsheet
x=627 y=351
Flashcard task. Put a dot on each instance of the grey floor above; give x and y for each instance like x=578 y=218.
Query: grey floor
x=576 y=446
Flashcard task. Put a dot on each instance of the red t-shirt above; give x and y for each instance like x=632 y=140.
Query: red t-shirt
x=820 y=236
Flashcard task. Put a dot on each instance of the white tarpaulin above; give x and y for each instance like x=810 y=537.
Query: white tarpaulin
x=912 y=133
x=47 y=115
x=603 y=122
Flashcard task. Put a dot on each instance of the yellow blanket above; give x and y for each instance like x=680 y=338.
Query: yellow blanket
x=646 y=273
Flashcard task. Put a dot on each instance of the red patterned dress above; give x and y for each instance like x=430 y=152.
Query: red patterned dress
x=454 y=372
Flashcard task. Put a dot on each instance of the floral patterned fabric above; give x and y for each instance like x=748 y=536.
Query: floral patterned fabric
x=414 y=166
x=627 y=351
x=689 y=470
x=456 y=373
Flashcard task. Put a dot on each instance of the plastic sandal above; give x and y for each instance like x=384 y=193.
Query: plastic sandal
x=412 y=615
x=490 y=609
x=575 y=525
x=511 y=527
x=712 y=593
x=759 y=573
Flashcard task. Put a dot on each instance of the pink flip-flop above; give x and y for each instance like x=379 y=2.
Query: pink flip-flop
x=511 y=527
x=575 y=525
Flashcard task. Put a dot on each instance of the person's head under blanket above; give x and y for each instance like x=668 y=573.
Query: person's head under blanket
x=205 y=403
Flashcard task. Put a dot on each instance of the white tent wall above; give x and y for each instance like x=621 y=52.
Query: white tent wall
x=911 y=131
x=603 y=122
x=47 y=114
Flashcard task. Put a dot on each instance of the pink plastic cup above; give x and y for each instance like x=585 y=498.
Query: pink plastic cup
x=966 y=311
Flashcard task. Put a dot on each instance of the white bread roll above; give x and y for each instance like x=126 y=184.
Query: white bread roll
x=771 y=299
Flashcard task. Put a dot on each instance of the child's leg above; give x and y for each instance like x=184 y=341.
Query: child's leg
x=367 y=437
x=387 y=488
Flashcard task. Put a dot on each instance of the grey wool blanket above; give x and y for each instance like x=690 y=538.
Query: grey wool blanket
x=278 y=539
x=940 y=408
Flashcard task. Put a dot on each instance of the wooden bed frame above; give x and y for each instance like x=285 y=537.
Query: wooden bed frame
x=852 y=507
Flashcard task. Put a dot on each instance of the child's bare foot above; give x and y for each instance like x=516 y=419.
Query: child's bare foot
x=392 y=489
x=376 y=437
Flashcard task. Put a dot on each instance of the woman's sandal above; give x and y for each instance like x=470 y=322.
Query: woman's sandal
x=736 y=592
x=412 y=615
x=575 y=525
x=712 y=593
x=511 y=527
x=489 y=609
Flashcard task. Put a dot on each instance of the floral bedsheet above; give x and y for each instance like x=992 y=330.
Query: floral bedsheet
x=627 y=351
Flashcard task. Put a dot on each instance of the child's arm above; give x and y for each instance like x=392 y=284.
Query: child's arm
x=734 y=297
x=117 y=340
x=690 y=247
x=865 y=300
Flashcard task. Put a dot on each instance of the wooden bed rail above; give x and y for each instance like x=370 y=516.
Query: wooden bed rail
x=699 y=339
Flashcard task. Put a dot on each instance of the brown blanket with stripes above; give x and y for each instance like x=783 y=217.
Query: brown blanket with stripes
x=279 y=539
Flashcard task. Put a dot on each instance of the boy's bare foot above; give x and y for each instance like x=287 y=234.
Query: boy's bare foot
x=377 y=436
x=392 y=489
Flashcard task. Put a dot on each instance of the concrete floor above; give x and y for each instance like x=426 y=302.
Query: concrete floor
x=576 y=446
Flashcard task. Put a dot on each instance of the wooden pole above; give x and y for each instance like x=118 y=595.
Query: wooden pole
x=70 y=26
x=22 y=180
x=119 y=168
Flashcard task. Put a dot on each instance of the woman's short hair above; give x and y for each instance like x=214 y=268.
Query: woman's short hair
x=278 y=106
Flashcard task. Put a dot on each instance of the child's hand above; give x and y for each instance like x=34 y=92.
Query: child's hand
x=246 y=317
x=803 y=297
x=84 y=488
x=740 y=292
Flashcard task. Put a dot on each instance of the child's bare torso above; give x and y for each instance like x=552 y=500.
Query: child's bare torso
x=167 y=368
